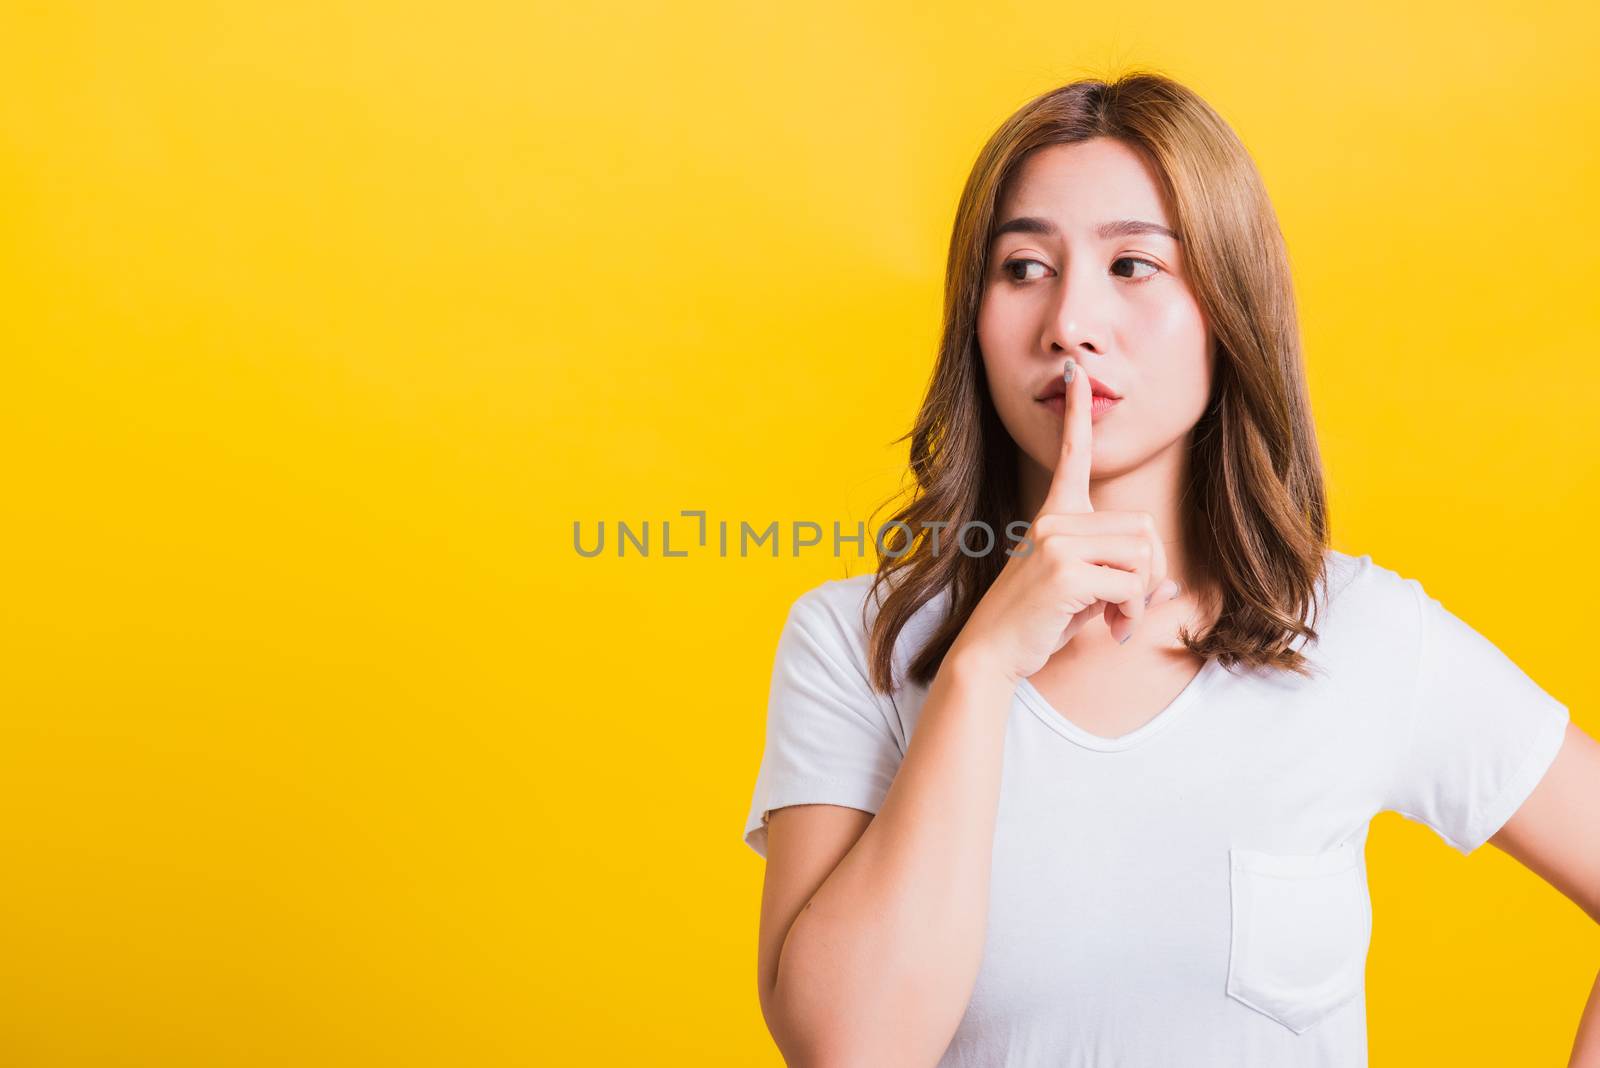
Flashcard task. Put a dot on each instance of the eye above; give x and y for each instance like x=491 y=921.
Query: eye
x=1134 y=259
x=1009 y=266
x=1009 y=269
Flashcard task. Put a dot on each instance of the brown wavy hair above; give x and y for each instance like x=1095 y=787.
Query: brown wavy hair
x=1254 y=511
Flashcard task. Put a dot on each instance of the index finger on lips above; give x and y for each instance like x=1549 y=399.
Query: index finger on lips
x=1069 y=485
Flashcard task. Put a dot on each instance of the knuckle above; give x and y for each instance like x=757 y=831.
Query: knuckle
x=1061 y=568
x=1047 y=547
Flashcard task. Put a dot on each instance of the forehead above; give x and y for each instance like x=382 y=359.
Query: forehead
x=1083 y=184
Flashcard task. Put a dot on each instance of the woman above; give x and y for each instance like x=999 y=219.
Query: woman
x=1100 y=796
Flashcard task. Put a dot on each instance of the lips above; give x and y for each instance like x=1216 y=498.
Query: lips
x=1057 y=387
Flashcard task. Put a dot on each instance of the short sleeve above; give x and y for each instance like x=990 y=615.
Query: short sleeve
x=830 y=737
x=1480 y=736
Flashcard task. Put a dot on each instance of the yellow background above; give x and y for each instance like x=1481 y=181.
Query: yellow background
x=324 y=321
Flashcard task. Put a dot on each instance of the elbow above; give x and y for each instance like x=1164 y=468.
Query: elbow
x=833 y=1011
x=805 y=1040
x=798 y=1044
x=820 y=1039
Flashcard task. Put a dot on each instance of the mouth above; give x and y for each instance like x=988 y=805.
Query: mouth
x=1054 y=396
x=1057 y=387
x=1097 y=407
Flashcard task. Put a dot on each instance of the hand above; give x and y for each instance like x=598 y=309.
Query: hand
x=1073 y=562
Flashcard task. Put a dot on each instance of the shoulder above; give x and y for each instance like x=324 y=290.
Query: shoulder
x=839 y=615
x=1367 y=613
x=1361 y=589
x=834 y=609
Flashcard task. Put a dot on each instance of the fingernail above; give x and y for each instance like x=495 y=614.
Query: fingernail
x=1066 y=373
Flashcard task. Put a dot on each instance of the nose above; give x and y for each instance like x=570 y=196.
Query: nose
x=1076 y=320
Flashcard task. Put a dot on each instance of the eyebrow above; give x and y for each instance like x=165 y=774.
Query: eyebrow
x=1032 y=224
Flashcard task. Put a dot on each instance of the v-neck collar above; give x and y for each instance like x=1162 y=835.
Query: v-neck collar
x=1175 y=709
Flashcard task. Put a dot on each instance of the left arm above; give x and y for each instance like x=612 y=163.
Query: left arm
x=1556 y=834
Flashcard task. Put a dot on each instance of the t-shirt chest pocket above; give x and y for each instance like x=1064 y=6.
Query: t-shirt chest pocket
x=1301 y=927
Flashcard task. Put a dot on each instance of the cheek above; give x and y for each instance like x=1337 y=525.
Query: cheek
x=1172 y=341
x=1171 y=348
x=1172 y=319
x=997 y=341
x=992 y=323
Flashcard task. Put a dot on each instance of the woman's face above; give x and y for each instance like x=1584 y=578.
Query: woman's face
x=1118 y=302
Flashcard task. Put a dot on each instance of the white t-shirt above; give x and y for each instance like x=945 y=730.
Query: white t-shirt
x=1193 y=892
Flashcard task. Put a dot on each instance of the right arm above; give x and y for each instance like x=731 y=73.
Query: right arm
x=879 y=965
